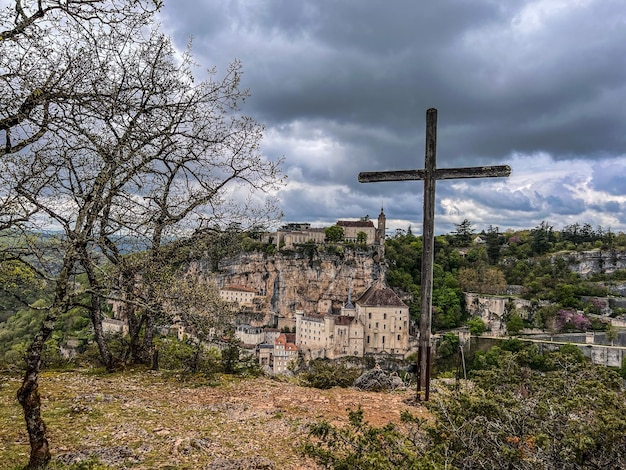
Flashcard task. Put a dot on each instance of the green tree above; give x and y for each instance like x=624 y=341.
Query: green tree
x=447 y=312
x=133 y=146
x=464 y=233
x=361 y=237
x=324 y=374
x=476 y=326
x=448 y=345
x=494 y=243
x=543 y=237
x=611 y=333
x=334 y=233
x=514 y=324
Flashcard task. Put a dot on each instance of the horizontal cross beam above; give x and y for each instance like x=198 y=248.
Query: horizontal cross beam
x=440 y=174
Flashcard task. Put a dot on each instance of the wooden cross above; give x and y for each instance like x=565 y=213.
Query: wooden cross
x=429 y=175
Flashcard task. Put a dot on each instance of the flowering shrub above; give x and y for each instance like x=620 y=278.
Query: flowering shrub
x=569 y=319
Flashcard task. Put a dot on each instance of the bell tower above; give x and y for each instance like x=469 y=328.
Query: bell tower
x=380 y=232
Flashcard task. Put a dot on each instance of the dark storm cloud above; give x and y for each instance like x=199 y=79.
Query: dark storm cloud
x=343 y=87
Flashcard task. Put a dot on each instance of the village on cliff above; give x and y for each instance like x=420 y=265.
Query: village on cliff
x=368 y=319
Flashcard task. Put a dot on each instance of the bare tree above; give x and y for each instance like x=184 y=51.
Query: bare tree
x=114 y=138
x=209 y=151
x=39 y=53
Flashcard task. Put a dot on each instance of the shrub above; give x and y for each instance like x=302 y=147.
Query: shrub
x=324 y=374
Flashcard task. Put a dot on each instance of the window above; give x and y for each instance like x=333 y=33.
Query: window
x=369 y=315
x=384 y=316
x=398 y=337
x=368 y=339
x=383 y=340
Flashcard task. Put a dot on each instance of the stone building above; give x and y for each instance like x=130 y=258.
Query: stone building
x=250 y=335
x=240 y=295
x=374 y=235
x=377 y=323
x=385 y=319
x=292 y=234
x=285 y=352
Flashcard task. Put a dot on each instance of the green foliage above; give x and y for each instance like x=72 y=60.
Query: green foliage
x=515 y=324
x=190 y=357
x=476 y=326
x=448 y=345
x=570 y=416
x=464 y=233
x=230 y=354
x=324 y=374
x=334 y=234
x=362 y=446
x=573 y=352
x=447 y=312
x=186 y=356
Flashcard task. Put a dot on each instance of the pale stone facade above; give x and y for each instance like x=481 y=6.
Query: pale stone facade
x=351 y=229
x=377 y=323
x=385 y=319
x=248 y=334
x=294 y=234
x=312 y=235
x=240 y=295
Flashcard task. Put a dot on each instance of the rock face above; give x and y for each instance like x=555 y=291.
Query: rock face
x=586 y=263
x=377 y=380
x=293 y=280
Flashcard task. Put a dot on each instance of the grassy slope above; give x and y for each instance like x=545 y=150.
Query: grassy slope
x=149 y=420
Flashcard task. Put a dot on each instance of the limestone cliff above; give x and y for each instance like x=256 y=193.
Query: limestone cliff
x=586 y=263
x=294 y=280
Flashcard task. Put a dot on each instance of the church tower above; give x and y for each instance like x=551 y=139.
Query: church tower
x=380 y=233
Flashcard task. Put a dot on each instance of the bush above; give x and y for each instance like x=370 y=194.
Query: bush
x=324 y=374
x=512 y=417
x=476 y=326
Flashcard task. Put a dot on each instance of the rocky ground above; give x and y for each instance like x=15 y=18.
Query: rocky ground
x=146 y=420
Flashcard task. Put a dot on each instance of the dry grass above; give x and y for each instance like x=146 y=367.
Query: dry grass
x=146 y=420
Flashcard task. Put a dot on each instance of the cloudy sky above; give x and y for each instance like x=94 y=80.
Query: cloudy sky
x=343 y=86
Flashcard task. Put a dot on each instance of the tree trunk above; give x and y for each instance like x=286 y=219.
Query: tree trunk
x=148 y=336
x=28 y=397
x=105 y=353
x=28 y=393
x=95 y=312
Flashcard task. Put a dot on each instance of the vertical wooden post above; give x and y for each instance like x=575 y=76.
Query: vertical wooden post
x=430 y=174
x=428 y=245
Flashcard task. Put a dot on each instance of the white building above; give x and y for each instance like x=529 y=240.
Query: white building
x=240 y=295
